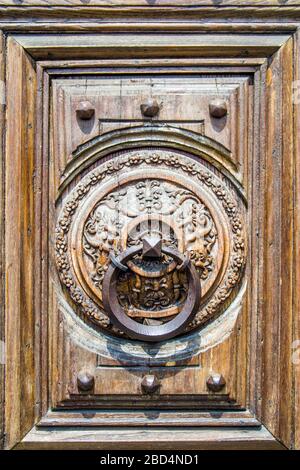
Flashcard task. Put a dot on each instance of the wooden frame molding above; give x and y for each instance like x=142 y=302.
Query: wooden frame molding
x=31 y=55
x=143 y=438
x=148 y=45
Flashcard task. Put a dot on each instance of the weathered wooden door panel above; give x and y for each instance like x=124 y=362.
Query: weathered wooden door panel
x=146 y=188
x=183 y=102
x=149 y=201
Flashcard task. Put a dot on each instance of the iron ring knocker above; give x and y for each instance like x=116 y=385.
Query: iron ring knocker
x=149 y=332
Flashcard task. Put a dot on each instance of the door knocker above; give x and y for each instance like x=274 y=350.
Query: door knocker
x=150 y=249
x=122 y=281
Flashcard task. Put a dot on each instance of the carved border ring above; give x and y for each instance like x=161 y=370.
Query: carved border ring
x=169 y=159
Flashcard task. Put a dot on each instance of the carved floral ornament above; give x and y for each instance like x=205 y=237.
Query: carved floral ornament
x=151 y=193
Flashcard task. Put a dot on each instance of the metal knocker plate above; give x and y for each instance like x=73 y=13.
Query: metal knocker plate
x=151 y=248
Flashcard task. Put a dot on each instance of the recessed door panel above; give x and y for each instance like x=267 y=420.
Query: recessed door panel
x=149 y=241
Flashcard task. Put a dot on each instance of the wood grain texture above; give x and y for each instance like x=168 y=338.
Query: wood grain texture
x=148 y=18
x=296 y=263
x=175 y=381
x=150 y=45
x=19 y=379
x=117 y=104
x=272 y=384
x=270 y=304
x=140 y=15
x=2 y=248
x=277 y=240
x=138 y=24
x=158 y=3
x=150 y=418
x=206 y=439
x=287 y=207
x=255 y=186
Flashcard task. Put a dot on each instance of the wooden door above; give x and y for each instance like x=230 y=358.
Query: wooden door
x=149 y=240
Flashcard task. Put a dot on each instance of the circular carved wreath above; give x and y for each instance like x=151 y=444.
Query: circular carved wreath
x=222 y=218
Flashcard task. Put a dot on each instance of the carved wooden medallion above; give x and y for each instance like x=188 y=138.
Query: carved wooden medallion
x=184 y=202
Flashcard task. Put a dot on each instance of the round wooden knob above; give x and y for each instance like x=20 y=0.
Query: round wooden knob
x=215 y=382
x=85 y=110
x=218 y=108
x=85 y=381
x=150 y=108
x=150 y=384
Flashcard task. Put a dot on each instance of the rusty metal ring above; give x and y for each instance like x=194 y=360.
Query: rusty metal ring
x=149 y=332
